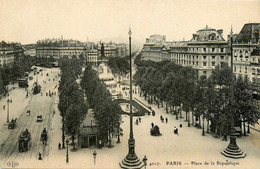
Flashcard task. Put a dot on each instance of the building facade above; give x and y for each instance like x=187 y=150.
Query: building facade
x=246 y=52
x=203 y=52
x=8 y=52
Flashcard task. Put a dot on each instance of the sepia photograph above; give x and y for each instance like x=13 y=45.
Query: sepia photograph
x=129 y=84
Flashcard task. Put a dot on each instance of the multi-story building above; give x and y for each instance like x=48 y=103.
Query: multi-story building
x=8 y=52
x=59 y=48
x=91 y=55
x=203 y=52
x=155 y=48
x=246 y=52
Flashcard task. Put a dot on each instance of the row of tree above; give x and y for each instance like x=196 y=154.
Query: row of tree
x=181 y=89
x=73 y=108
x=107 y=112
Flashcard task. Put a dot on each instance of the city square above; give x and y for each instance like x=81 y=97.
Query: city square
x=138 y=98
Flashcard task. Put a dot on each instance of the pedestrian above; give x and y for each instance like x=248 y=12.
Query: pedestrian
x=136 y=121
x=166 y=120
x=177 y=131
x=161 y=117
x=59 y=147
x=174 y=130
x=152 y=124
x=163 y=120
x=181 y=125
x=4 y=107
x=140 y=119
x=40 y=156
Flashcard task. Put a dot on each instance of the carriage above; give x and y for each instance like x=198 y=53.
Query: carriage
x=12 y=124
x=24 y=141
x=39 y=118
x=37 y=88
x=44 y=137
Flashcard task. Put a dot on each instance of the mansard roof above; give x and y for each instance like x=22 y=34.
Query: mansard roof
x=208 y=35
x=249 y=33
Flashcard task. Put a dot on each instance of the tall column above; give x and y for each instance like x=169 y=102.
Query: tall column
x=232 y=151
x=131 y=160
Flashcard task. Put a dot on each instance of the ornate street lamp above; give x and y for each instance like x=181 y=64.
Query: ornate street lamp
x=131 y=160
x=63 y=135
x=203 y=132
x=145 y=161
x=8 y=101
x=232 y=151
x=67 y=155
x=94 y=156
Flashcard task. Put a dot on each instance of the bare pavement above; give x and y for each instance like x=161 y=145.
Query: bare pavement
x=187 y=150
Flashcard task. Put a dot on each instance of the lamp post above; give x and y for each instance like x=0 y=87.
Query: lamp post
x=8 y=101
x=63 y=135
x=188 y=118
x=26 y=92
x=94 y=156
x=131 y=160
x=232 y=151
x=67 y=155
x=203 y=132
x=145 y=161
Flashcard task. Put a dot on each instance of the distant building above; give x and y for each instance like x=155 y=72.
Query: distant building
x=156 y=48
x=8 y=52
x=91 y=56
x=30 y=52
x=112 y=50
x=59 y=48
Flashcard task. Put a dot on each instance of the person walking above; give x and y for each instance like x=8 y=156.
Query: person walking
x=166 y=120
x=152 y=124
x=59 y=147
x=181 y=125
x=139 y=119
x=163 y=120
x=177 y=131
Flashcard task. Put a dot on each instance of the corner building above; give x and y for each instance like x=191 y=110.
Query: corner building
x=204 y=51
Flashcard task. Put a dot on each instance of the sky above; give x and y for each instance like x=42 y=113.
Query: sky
x=27 y=21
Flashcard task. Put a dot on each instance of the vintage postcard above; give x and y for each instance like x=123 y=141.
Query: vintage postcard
x=106 y=84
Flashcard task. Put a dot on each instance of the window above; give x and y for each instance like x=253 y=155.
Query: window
x=204 y=63
x=245 y=69
x=213 y=63
x=213 y=49
x=213 y=57
x=197 y=63
x=222 y=57
x=221 y=49
x=204 y=57
x=204 y=49
x=235 y=69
